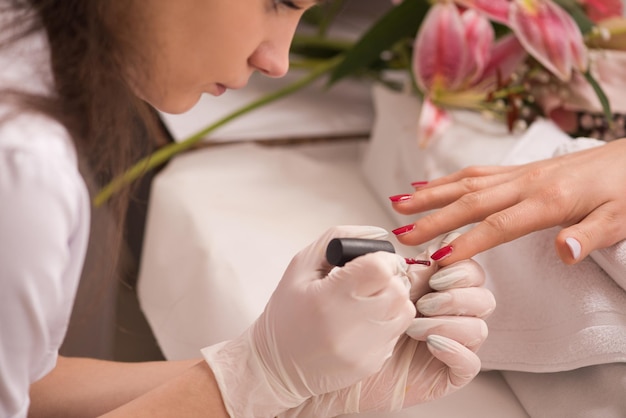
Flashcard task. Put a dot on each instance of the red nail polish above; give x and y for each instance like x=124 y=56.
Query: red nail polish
x=411 y=261
x=403 y=229
x=442 y=253
x=418 y=184
x=400 y=197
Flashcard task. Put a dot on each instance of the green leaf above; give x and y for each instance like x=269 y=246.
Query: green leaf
x=578 y=14
x=323 y=15
x=604 y=101
x=399 y=22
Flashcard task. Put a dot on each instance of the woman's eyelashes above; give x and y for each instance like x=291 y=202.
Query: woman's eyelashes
x=286 y=3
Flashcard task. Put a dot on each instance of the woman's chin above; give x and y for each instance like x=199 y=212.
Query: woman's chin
x=175 y=106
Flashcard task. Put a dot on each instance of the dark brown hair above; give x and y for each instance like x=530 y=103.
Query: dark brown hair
x=89 y=45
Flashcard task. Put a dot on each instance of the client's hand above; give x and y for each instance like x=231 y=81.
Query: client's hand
x=321 y=330
x=435 y=358
x=576 y=191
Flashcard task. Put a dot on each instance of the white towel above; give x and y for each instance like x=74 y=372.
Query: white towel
x=589 y=392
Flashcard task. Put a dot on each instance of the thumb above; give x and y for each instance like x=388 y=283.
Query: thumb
x=599 y=229
x=371 y=275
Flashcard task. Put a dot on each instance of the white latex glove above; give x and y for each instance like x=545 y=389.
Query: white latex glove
x=436 y=356
x=321 y=330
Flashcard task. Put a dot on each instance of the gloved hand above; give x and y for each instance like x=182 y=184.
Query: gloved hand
x=437 y=354
x=323 y=329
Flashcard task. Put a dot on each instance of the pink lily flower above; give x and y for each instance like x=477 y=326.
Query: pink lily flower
x=443 y=57
x=545 y=30
x=550 y=35
x=451 y=49
x=456 y=63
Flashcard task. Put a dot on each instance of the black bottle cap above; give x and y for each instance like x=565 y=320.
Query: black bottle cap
x=342 y=250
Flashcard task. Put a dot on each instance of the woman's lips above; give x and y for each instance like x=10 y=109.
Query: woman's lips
x=219 y=90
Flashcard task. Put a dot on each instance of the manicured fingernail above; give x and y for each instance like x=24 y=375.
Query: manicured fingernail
x=448 y=278
x=400 y=197
x=403 y=229
x=432 y=303
x=418 y=184
x=411 y=261
x=574 y=247
x=442 y=253
x=440 y=343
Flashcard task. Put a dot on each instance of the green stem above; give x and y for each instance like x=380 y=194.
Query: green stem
x=316 y=41
x=166 y=152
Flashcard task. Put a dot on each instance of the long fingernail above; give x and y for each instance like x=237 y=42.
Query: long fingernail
x=440 y=343
x=404 y=229
x=418 y=184
x=400 y=198
x=448 y=278
x=431 y=303
x=442 y=253
x=574 y=247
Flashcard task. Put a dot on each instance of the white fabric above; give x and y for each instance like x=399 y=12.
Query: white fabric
x=220 y=216
x=222 y=226
x=550 y=317
x=44 y=225
x=588 y=392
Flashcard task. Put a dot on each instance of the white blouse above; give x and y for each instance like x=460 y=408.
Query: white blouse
x=44 y=228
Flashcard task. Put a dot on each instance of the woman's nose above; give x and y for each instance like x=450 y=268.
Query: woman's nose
x=271 y=59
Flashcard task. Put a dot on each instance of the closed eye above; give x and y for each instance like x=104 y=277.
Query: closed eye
x=289 y=4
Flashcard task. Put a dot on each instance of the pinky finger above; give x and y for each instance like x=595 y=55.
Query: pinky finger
x=463 y=364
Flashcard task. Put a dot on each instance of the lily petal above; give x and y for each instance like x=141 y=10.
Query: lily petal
x=496 y=10
x=576 y=42
x=440 y=57
x=432 y=122
x=479 y=35
x=506 y=56
x=540 y=27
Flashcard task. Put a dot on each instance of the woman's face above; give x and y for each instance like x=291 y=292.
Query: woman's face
x=190 y=47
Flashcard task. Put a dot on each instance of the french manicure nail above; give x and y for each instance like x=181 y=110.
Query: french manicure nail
x=432 y=303
x=442 y=253
x=400 y=198
x=404 y=229
x=574 y=247
x=441 y=343
x=448 y=278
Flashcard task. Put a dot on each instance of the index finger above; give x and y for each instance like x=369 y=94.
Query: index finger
x=466 y=210
x=521 y=219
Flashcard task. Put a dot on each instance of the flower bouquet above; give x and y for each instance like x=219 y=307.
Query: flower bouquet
x=510 y=60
